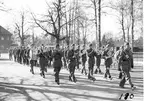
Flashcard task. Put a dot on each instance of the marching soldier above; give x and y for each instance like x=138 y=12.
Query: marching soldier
x=57 y=63
x=10 y=53
x=77 y=52
x=33 y=58
x=91 y=61
x=27 y=55
x=84 y=59
x=108 y=61
x=126 y=66
x=98 y=62
x=72 y=63
x=119 y=61
x=42 y=61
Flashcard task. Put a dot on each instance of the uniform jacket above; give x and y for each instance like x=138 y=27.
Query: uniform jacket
x=57 y=56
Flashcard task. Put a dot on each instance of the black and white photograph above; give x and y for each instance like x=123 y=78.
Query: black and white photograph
x=71 y=50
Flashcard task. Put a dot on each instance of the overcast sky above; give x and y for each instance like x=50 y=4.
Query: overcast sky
x=39 y=6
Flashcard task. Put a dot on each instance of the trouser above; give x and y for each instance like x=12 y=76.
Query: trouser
x=91 y=69
x=64 y=62
x=27 y=61
x=71 y=67
x=42 y=69
x=98 y=66
x=56 y=73
x=127 y=75
x=10 y=56
x=77 y=63
x=107 y=72
x=32 y=64
x=15 y=58
x=20 y=59
x=84 y=67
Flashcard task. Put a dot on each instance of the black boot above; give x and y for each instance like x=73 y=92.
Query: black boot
x=70 y=79
x=120 y=75
x=96 y=71
x=74 y=79
x=105 y=76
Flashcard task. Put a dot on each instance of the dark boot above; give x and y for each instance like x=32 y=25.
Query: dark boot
x=105 y=76
x=96 y=71
x=70 y=79
x=74 y=79
x=120 y=75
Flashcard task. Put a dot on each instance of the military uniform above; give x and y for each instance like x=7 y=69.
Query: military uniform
x=91 y=61
x=98 y=62
x=57 y=64
x=83 y=59
x=72 y=64
x=33 y=59
x=126 y=65
x=77 y=52
x=108 y=62
x=42 y=62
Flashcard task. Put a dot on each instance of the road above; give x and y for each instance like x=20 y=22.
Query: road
x=18 y=84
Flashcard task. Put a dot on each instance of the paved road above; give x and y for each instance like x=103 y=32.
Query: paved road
x=18 y=84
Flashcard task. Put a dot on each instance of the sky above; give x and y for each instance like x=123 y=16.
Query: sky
x=39 y=6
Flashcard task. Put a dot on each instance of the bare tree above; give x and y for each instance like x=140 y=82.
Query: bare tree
x=132 y=18
x=3 y=7
x=99 y=23
x=94 y=2
x=54 y=19
x=20 y=28
x=122 y=9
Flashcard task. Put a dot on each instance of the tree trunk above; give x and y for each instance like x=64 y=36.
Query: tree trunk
x=99 y=18
x=128 y=34
x=95 y=10
x=122 y=23
x=57 y=41
x=22 y=42
x=132 y=28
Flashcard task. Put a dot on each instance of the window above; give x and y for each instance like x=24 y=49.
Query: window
x=2 y=38
x=8 y=38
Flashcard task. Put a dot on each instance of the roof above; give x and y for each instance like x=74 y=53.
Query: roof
x=4 y=31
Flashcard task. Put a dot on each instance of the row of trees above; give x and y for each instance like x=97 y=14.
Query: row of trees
x=66 y=21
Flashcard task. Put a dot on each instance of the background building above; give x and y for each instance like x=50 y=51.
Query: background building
x=5 y=39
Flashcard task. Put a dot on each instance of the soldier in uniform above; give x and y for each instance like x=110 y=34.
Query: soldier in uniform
x=84 y=59
x=10 y=53
x=42 y=61
x=33 y=58
x=72 y=63
x=91 y=61
x=119 y=61
x=18 y=54
x=57 y=63
x=98 y=62
x=27 y=55
x=126 y=65
x=108 y=61
x=77 y=52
